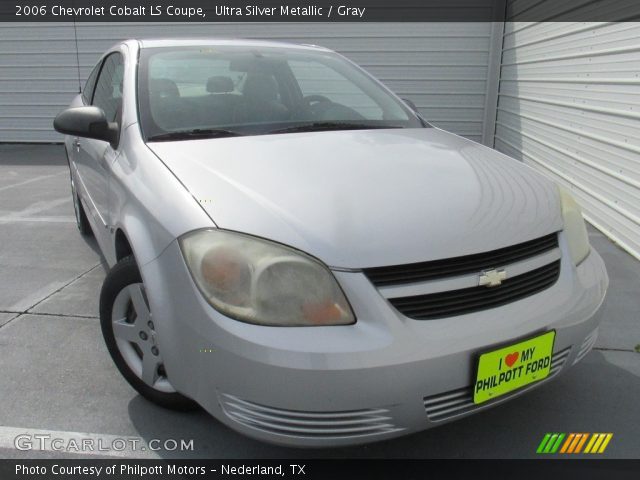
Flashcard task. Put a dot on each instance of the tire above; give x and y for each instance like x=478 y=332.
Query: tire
x=129 y=333
x=82 y=221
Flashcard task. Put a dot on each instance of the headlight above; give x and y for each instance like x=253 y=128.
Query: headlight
x=261 y=282
x=574 y=227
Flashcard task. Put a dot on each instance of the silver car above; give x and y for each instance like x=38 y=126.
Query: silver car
x=295 y=249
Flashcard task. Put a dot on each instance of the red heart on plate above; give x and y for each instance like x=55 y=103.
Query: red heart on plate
x=511 y=359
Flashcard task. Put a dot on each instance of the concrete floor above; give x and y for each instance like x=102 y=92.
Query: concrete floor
x=57 y=377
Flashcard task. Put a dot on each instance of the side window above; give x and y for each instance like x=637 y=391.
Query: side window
x=108 y=93
x=87 y=91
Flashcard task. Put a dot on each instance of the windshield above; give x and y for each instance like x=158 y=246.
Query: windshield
x=196 y=92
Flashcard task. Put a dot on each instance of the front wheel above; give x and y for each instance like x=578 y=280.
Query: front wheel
x=131 y=338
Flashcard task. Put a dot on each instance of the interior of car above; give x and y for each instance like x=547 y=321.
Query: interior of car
x=262 y=92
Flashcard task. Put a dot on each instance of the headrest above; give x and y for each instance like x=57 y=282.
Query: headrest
x=163 y=87
x=261 y=87
x=220 y=84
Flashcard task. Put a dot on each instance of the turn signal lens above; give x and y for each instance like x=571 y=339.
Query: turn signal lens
x=575 y=228
x=326 y=313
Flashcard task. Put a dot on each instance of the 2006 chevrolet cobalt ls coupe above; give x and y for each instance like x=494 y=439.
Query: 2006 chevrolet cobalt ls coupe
x=295 y=249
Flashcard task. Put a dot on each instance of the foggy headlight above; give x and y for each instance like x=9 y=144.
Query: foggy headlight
x=257 y=281
x=574 y=227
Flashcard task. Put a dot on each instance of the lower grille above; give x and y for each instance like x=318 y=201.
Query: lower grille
x=354 y=423
x=458 y=402
x=468 y=300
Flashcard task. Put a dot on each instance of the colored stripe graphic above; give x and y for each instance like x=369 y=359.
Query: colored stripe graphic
x=550 y=443
x=567 y=443
x=554 y=449
x=543 y=443
x=574 y=443
x=605 y=442
x=598 y=442
x=581 y=442
x=591 y=442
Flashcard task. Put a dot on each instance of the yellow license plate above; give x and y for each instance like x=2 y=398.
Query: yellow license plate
x=509 y=368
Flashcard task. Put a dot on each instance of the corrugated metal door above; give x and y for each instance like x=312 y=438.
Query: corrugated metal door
x=441 y=67
x=569 y=105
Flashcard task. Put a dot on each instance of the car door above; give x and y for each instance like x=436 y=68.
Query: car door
x=79 y=161
x=99 y=154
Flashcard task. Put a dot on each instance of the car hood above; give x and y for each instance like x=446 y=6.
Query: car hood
x=364 y=198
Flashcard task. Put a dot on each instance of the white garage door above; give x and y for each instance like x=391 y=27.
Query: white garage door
x=569 y=105
x=441 y=67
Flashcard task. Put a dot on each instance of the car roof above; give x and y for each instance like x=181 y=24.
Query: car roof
x=194 y=42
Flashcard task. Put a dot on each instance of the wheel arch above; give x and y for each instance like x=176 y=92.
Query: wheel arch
x=122 y=246
x=133 y=237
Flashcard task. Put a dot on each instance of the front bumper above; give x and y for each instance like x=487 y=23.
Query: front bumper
x=385 y=376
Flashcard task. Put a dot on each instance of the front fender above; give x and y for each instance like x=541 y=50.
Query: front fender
x=147 y=202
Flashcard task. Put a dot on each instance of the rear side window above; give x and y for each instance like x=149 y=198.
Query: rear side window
x=87 y=91
x=108 y=91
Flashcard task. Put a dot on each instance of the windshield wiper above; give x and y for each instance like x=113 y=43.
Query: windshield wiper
x=193 y=133
x=326 y=126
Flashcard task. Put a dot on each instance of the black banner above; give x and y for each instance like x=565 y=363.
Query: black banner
x=317 y=10
x=317 y=469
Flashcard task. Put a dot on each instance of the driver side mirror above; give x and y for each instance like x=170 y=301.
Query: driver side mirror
x=88 y=122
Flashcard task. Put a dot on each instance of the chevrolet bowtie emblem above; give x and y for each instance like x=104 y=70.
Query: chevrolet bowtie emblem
x=492 y=278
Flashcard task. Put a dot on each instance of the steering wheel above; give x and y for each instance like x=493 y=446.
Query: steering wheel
x=316 y=105
x=310 y=99
x=323 y=108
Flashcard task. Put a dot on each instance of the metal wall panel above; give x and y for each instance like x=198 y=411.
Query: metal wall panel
x=441 y=67
x=569 y=105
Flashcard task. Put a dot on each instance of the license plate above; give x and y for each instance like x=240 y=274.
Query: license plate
x=509 y=368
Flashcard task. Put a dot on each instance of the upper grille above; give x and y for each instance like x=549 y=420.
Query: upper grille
x=418 y=272
x=467 y=300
